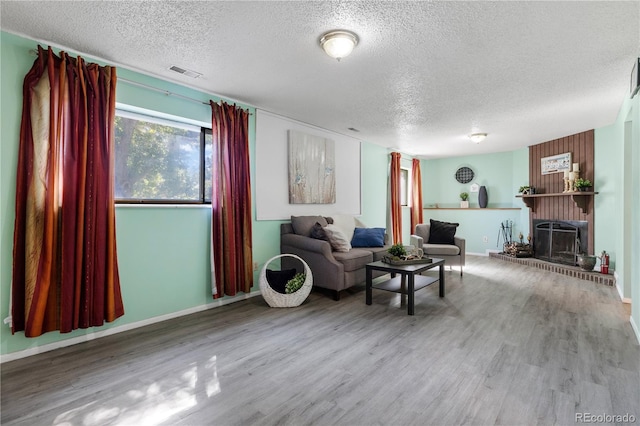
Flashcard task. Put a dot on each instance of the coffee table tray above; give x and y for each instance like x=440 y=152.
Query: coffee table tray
x=391 y=261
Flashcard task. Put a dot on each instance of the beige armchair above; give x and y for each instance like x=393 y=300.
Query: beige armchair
x=453 y=254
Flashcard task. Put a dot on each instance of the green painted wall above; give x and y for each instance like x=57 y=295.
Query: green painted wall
x=617 y=206
x=163 y=251
x=502 y=173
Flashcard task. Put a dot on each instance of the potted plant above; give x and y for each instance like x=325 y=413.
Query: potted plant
x=464 y=197
x=524 y=190
x=397 y=251
x=583 y=184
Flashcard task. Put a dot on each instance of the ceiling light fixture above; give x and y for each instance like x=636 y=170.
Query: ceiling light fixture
x=338 y=43
x=477 y=137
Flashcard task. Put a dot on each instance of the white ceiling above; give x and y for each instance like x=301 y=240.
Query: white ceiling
x=424 y=75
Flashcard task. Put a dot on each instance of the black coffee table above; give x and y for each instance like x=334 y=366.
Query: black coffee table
x=408 y=282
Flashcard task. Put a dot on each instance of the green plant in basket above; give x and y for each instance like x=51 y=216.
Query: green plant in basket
x=397 y=251
x=294 y=283
x=464 y=196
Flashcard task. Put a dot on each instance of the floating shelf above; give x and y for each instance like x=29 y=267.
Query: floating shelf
x=580 y=198
x=471 y=208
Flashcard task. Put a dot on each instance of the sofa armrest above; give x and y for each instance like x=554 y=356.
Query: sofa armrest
x=460 y=242
x=416 y=241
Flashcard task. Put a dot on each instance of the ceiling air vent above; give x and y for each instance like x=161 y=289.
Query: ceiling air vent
x=188 y=73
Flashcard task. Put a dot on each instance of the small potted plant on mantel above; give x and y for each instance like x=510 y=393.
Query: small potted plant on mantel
x=464 y=197
x=583 y=185
x=525 y=190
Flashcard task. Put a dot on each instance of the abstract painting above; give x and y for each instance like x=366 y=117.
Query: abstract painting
x=312 y=177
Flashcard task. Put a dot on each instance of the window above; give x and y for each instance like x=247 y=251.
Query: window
x=161 y=161
x=404 y=187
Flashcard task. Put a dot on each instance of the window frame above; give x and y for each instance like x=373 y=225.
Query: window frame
x=164 y=119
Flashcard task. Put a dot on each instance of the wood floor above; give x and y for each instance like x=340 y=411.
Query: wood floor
x=509 y=344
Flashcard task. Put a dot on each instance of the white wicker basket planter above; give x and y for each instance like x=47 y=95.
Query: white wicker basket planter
x=279 y=300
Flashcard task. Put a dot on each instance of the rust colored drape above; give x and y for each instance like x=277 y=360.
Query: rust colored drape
x=396 y=207
x=65 y=272
x=231 y=202
x=416 y=194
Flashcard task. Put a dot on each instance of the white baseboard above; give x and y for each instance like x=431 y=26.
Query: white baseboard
x=125 y=327
x=635 y=329
x=470 y=253
x=620 y=291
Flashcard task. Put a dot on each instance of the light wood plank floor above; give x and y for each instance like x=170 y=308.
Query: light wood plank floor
x=509 y=344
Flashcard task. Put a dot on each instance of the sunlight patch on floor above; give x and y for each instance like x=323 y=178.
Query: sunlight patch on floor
x=152 y=404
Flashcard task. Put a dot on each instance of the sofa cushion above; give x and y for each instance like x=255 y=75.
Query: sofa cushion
x=441 y=249
x=442 y=232
x=302 y=225
x=337 y=239
x=378 y=252
x=354 y=259
x=347 y=223
x=368 y=237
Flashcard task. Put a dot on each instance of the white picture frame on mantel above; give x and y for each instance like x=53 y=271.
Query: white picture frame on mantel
x=555 y=163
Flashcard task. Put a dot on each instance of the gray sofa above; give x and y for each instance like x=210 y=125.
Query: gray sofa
x=453 y=254
x=332 y=270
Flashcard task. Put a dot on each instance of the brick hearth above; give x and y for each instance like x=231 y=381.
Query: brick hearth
x=572 y=271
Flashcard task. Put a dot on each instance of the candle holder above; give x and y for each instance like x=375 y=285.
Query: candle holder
x=566 y=185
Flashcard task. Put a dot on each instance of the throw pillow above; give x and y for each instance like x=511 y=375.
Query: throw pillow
x=302 y=225
x=337 y=239
x=442 y=232
x=368 y=237
x=318 y=233
x=278 y=279
x=346 y=223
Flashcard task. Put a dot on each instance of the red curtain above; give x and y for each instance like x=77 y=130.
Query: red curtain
x=416 y=194
x=396 y=207
x=231 y=201
x=65 y=272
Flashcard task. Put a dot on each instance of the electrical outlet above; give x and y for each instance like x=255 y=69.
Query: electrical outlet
x=485 y=239
x=255 y=266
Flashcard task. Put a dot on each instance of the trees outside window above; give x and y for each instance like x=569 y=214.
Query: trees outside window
x=159 y=161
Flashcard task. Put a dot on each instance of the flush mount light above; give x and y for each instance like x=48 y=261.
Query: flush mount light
x=477 y=137
x=338 y=43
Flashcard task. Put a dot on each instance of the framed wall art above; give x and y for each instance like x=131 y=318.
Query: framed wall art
x=555 y=163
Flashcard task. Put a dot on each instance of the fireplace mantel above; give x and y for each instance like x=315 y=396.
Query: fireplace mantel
x=581 y=199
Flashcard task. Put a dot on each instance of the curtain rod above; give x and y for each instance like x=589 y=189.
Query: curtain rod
x=166 y=92
x=34 y=52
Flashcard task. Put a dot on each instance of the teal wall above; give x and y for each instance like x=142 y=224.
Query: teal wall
x=617 y=206
x=502 y=173
x=163 y=251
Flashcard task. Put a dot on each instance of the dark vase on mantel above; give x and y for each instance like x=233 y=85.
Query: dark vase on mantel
x=483 y=199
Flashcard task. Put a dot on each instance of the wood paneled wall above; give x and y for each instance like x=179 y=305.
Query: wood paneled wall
x=562 y=208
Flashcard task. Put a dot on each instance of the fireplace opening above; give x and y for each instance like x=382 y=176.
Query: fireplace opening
x=560 y=241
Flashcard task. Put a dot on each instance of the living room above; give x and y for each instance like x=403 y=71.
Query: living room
x=164 y=252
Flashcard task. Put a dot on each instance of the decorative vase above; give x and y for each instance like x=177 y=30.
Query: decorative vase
x=483 y=198
x=586 y=262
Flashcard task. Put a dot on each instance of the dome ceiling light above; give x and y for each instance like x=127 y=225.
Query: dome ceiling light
x=477 y=137
x=338 y=43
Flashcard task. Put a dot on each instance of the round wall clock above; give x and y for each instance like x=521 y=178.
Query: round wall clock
x=464 y=175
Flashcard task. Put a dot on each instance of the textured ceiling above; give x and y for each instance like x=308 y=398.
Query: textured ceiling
x=424 y=75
